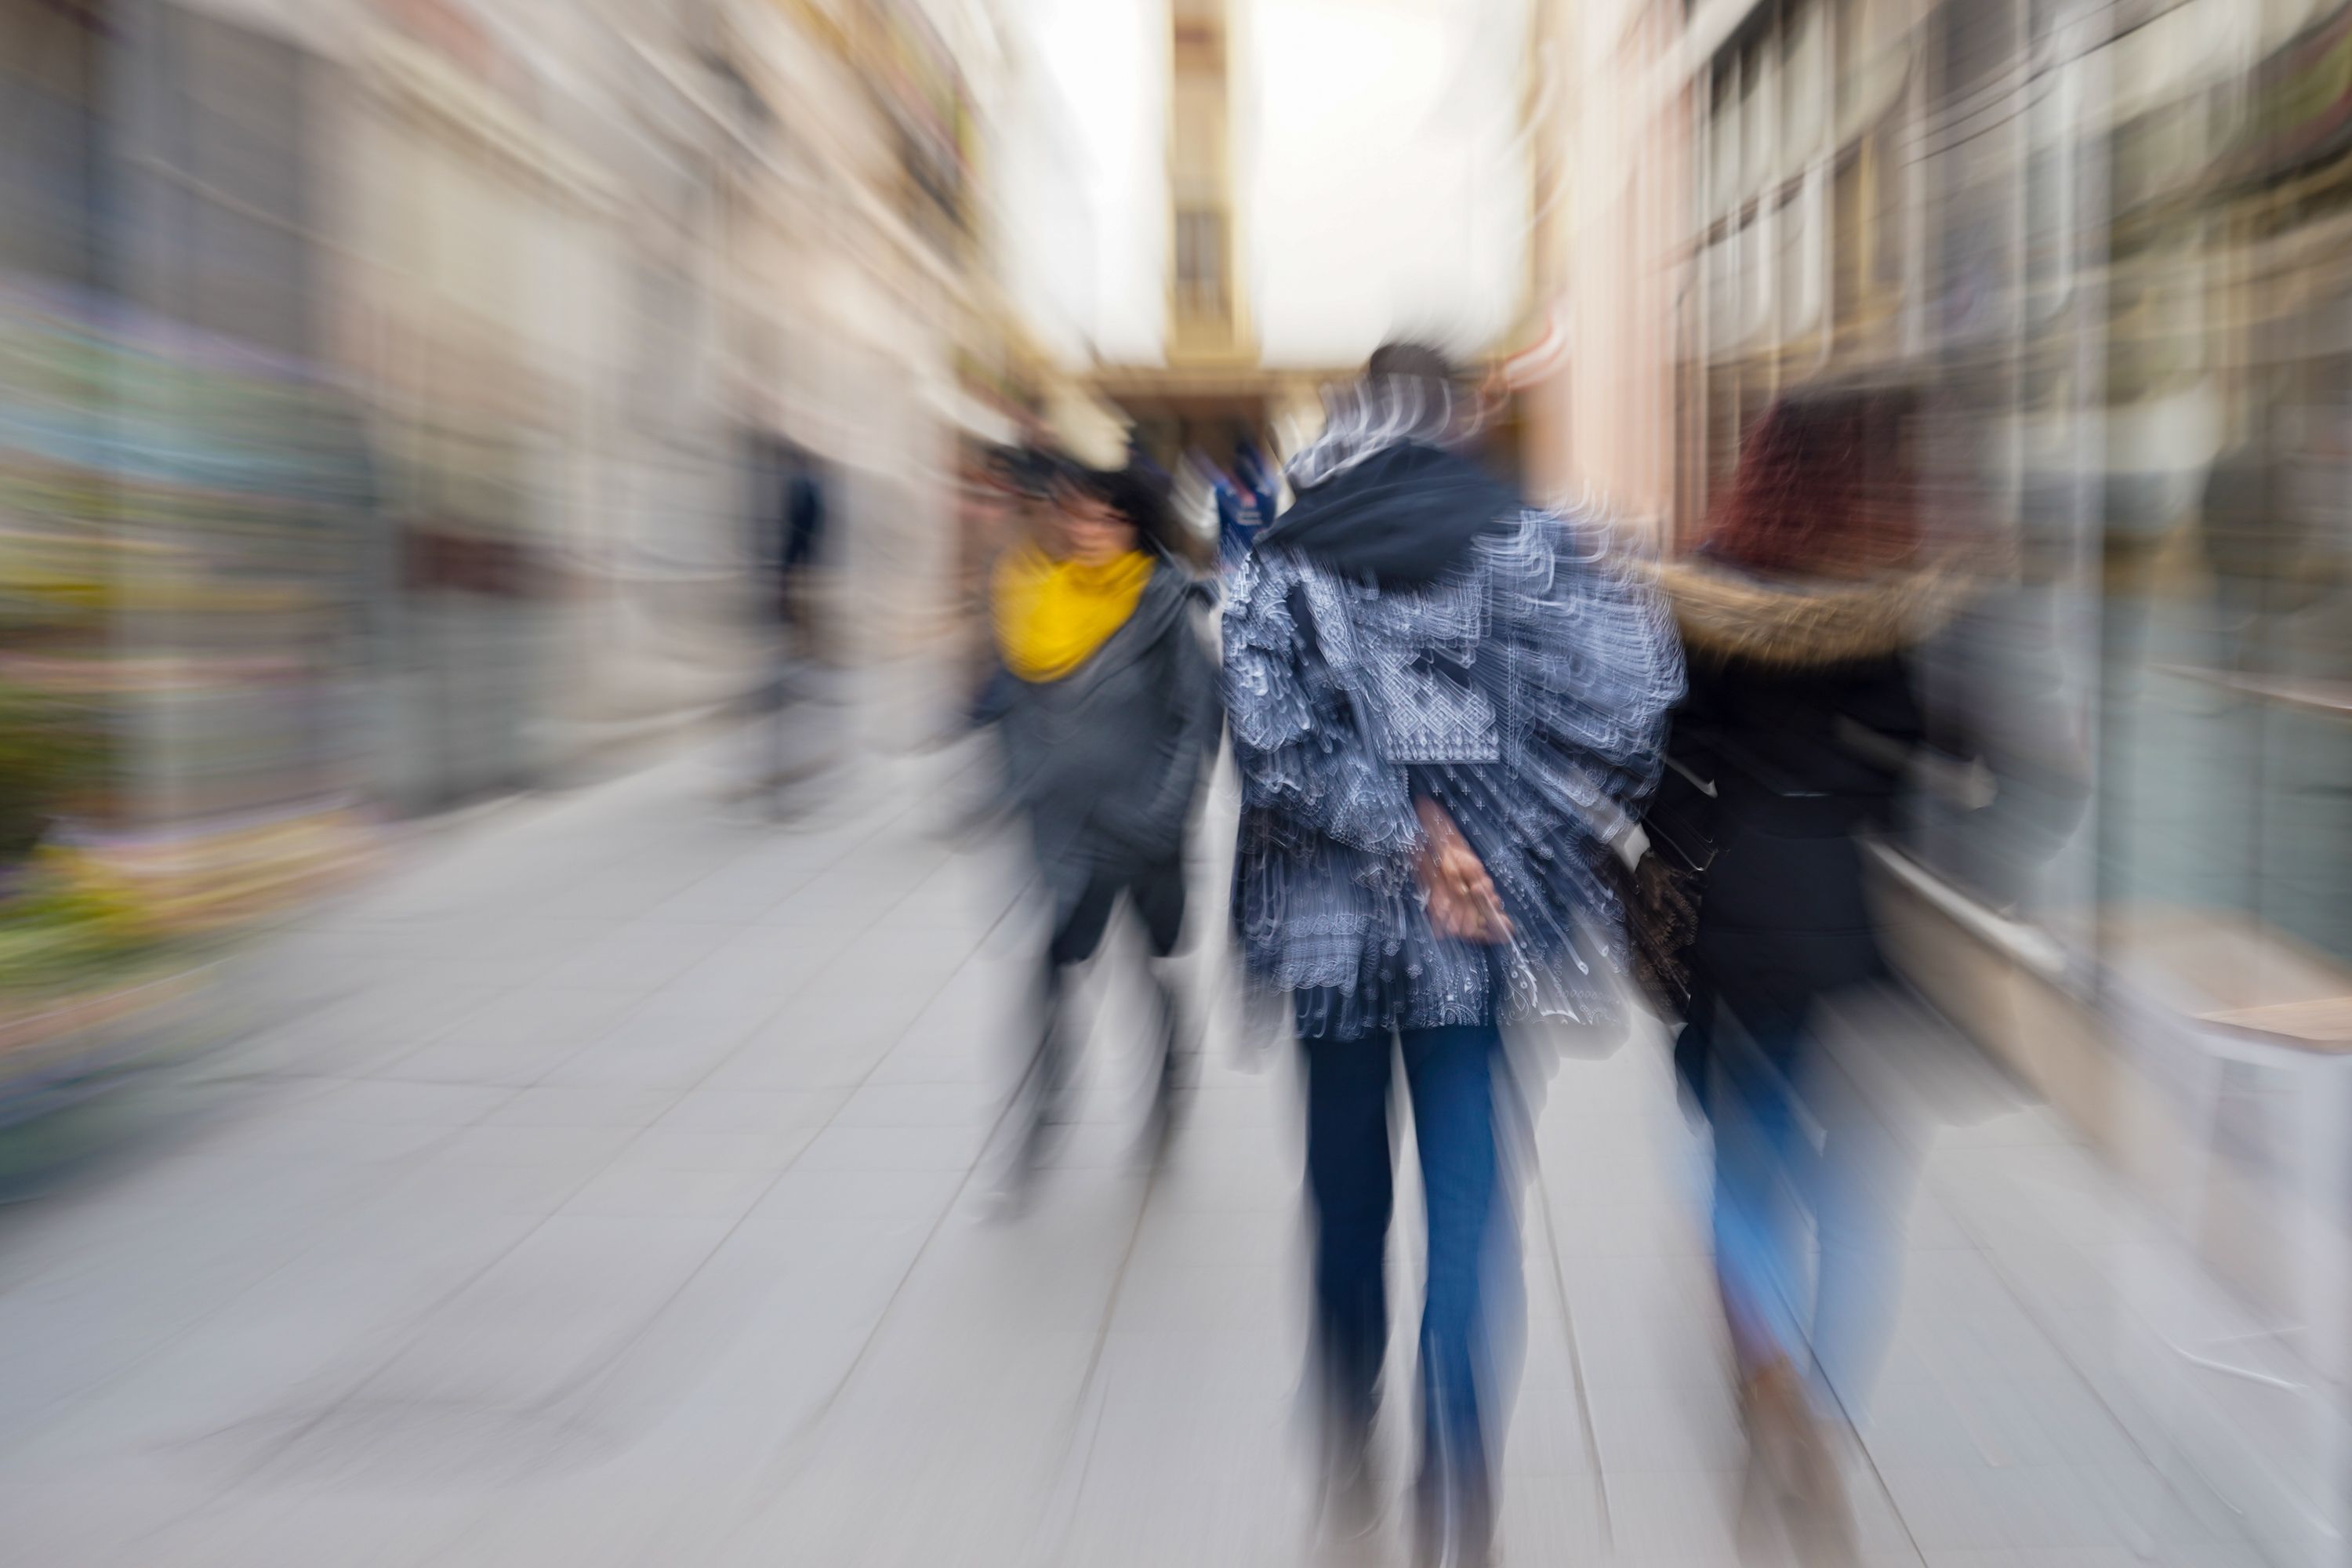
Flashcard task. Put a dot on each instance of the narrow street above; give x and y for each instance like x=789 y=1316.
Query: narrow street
x=609 y=1185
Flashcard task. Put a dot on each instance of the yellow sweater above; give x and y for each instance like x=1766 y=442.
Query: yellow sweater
x=1051 y=615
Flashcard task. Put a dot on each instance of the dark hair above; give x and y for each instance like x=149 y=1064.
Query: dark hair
x=1026 y=471
x=1136 y=493
x=1405 y=358
x=1824 y=485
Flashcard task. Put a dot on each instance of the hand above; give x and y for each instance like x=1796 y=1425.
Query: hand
x=1462 y=900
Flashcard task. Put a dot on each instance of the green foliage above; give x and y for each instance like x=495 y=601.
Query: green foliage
x=51 y=751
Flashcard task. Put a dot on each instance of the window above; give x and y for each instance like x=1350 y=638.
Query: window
x=1201 y=262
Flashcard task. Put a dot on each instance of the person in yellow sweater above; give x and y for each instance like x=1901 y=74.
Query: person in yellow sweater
x=1107 y=715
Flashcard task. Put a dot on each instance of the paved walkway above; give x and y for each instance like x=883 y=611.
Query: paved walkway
x=610 y=1192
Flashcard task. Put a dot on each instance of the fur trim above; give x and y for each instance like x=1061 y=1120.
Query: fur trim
x=1726 y=617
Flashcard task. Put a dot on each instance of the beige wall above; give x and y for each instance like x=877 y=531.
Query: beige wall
x=1616 y=179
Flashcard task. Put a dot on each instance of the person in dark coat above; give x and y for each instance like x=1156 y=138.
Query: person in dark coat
x=1108 y=717
x=1799 y=618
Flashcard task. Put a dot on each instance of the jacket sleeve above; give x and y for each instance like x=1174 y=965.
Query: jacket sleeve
x=1183 y=742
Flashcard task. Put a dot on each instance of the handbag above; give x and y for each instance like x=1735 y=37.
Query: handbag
x=1663 y=889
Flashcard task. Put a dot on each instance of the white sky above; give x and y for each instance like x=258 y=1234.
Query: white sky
x=1379 y=183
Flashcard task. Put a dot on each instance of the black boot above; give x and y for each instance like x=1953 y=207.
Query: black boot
x=1036 y=1102
x=1160 y=1124
x=1350 y=1508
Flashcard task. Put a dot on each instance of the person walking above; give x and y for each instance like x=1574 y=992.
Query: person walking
x=789 y=517
x=1108 y=715
x=1799 y=615
x=1442 y=707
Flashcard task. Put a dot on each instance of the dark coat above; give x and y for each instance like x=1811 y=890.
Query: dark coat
x=1803 y=760
x=1791 y=744
x=1107 y=762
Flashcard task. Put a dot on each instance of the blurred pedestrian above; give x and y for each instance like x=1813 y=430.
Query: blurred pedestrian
x=1442 y=705
x=1800 y=617
x=1107 y=707
x=1234 y=535
x=790 y=522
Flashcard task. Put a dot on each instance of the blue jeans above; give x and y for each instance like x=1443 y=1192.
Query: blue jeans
x=1449 y=1074
x=1792 y=1140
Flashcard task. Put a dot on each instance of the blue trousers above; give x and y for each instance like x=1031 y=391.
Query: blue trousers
x=1794 y=1143
x=1449 y=1074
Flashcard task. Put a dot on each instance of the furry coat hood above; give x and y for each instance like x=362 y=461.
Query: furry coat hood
x=1727 y=615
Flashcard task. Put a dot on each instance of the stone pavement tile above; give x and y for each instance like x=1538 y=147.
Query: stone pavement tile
x=1097 y=1146
x=1557 y=1517
x=406 y=1528
x=1264 y=1184
x=753 y=1110
x=1226 y=1098
x=1982 y=1557
x=764 y=962
x=1650 y=1357
x=532 y=944
x=1162 y=1294
x=1197 y=1455
x=544 y=1319
x=1274 y=1237
x=748 y=887
x=975 y=1056
x=1597 y=1230
x=1918 y=1426
x=853 y=895
x=730 y=1380
x=1546 y=1440
x=920 y=1148
x=674 y=1040
x=1053 y=1267
x=575 y=1105
x=196 y=1345
x=1950 y=1508
x=765 y=1151
x=608 y=1515
x=969 y=892
x=1683 y=1427
x=1690 y=1513
x=812 y=1043
x=506 y=1065
x=632 y=1189
x=438 y=1185
x=220 y=1397
x=363 y=1029
x=641 y=956
x=1548 y=1369
x=103 y=1522
x=919 y=1105
x=959 y=1469
x=533 y=1014
x=631 y=889
x=556 y=1147
x=387 y=1104
x=974 y=1029
x=313 y=1144
x=898 y=1200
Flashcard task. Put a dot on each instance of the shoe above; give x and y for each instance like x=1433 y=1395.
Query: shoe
x=1350 y=1507
x=1790 y=1449
x=1453 y=1525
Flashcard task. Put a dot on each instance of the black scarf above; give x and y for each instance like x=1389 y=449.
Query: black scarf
x=1402 y=516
